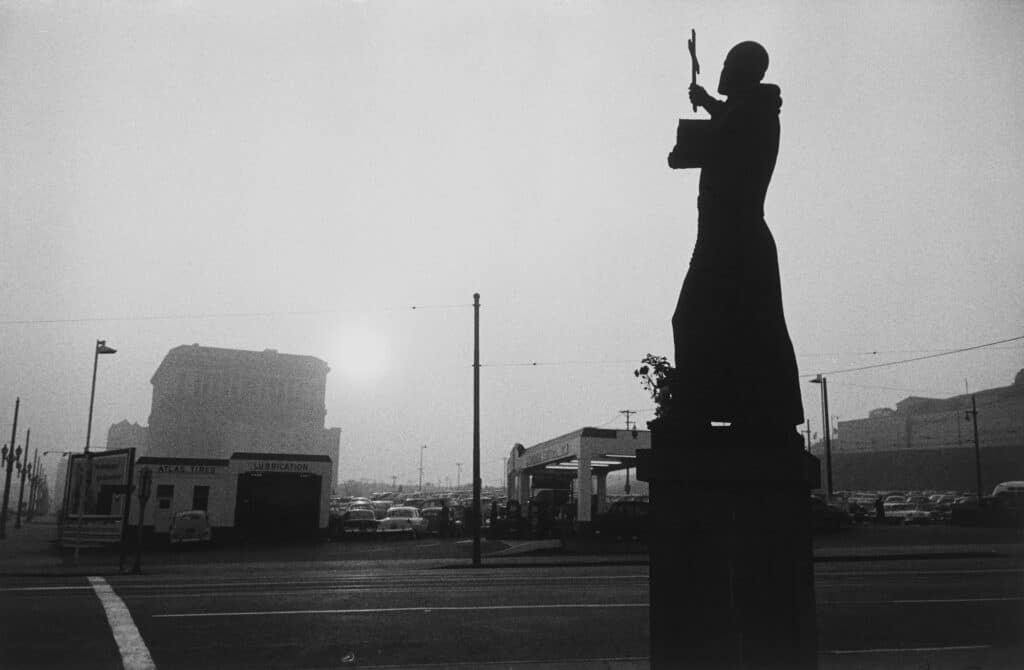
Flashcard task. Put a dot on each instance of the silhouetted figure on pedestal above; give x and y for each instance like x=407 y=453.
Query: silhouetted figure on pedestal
x=734 y=359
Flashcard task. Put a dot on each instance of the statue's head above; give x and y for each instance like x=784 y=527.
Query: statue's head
x=744 y=68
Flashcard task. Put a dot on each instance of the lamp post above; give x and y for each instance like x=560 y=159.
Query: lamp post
x=828 y=440
x=101 y=348
x=33 y=484
x=422 y=447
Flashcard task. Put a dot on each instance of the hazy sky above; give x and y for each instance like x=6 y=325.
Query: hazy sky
x=322 y=167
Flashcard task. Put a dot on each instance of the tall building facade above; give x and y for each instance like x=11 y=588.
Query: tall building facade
x=928 y=443
x=125 y=435
x=210 y=402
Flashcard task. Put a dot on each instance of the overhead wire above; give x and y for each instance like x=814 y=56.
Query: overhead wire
x=916 y=358
x=223 y=315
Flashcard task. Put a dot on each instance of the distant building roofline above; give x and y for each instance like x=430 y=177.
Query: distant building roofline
x=195 y=353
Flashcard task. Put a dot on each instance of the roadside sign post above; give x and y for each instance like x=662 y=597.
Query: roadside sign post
x=126 y=510
x=145 y=484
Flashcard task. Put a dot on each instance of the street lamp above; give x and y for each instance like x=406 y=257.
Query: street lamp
x=8 y=457
x=828 y=440
x=101 y=348
x=8 y=461
x=421 y=467
x=24 y=470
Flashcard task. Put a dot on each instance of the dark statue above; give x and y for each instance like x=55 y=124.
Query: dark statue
x=734 y=358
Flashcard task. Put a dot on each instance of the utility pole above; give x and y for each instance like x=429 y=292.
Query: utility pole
x=9 y=458
x=394 y=482
x=421 y=466
x=628 y=413
x=808 y=434
x=458 y=475
x=23 y=471
x=972 y=416
x=476 y=430
x=33 y=487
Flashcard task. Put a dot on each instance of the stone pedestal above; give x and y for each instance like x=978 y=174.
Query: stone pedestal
x=731 y=575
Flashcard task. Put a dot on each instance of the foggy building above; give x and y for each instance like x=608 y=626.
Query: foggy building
x=928 y=443
x=210 y=402
x=124 y=435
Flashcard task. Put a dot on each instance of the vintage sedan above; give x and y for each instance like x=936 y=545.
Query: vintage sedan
x=357 y=521
x=403 y=520
x=190 y=526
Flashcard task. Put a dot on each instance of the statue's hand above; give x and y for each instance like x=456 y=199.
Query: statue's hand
x=699 y=96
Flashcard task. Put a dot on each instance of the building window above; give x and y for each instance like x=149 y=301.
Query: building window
x=200 y=497
x=164 y=495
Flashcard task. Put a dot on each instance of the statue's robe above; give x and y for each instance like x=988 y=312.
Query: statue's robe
x=733 y=355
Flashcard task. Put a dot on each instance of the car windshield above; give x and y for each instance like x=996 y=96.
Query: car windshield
x=400 y=512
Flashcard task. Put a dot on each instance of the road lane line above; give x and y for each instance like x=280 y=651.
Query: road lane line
x=962 y=647
x=372 y=580
x=911 y=573
x=46 y=588
x=396 y=610
x=959 y=600
x=527 y=662
x=134 y=654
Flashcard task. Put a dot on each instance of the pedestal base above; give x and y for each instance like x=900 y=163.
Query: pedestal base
x=731 y=574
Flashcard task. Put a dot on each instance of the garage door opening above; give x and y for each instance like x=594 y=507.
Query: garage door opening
x=277 y=506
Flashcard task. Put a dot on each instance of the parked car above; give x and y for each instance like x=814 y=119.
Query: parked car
x=381 y=507
x=923 y=513
x=190 y=526
x=624 y=519
x=357 y=521
x=433 y=517
x=403 y=520
x=904 y=513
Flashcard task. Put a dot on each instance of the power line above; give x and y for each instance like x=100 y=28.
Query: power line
x=935 y=354
x=220 y=315
x=917 y=358
x=537 y=364
x=891 y=351
x=894 y=388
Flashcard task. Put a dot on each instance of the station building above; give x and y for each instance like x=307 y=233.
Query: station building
x=240 y=434
x=245 y=496
x=581 y=460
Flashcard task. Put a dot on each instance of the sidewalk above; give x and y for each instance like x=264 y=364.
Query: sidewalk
x=33 y=546
x=31 y=551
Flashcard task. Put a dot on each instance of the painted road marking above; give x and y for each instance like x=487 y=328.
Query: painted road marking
x=905 y=573
x=134 y=654
x=959 y=600
x=47 y=588
x=962 y=647
x=560 y=662
x=388 y=610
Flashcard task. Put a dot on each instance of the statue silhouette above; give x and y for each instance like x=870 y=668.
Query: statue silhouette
x=734 y=358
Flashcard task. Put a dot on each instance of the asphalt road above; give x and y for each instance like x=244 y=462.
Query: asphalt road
x=936 y=613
